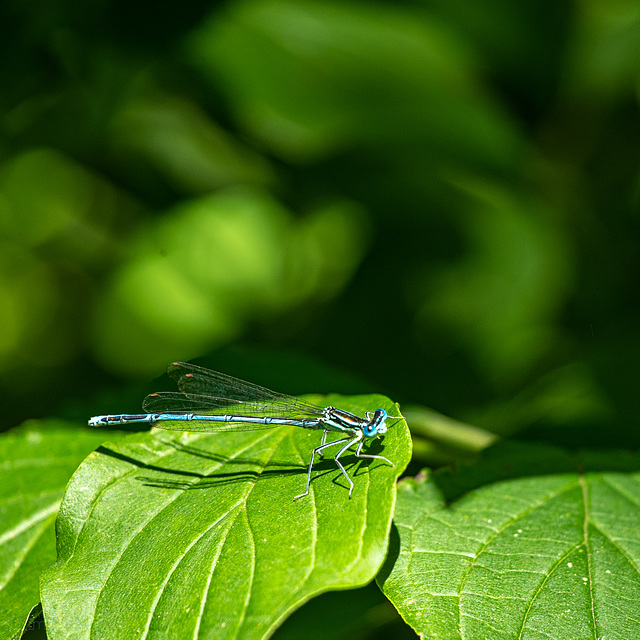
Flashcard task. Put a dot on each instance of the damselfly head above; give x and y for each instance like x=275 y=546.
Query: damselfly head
x=376 y=425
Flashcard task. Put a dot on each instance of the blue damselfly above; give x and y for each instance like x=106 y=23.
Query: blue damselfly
x=215 y=402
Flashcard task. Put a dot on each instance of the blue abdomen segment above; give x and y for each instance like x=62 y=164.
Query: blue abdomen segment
x=186 y=418
x=102 y=421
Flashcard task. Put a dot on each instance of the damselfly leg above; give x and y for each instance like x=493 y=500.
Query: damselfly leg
x=349 y=443
x=317 y=450
x=369 y=455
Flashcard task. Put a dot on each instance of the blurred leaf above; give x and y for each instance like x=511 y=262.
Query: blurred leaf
x=310 y=78
x=328 y=246
x=44 y=194
x=36 y=462
x=185 y=145
x=52 y=218
x=502 y=297
x=440 y=440
x=33 y=628
x=210 y=266
x=520 y=43
x=603 y=62
x=212 y=544
x=533 y=556
x=447 y=431
x=566 y=406
x=27 y=294
x=47 y=197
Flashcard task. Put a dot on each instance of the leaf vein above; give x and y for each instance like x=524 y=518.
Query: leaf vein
x=547 y=576
x=585 y=533
x=155 y=515
x=177 y=563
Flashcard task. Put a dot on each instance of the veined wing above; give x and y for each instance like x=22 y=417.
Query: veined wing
x=228 y=391
x=177 y=402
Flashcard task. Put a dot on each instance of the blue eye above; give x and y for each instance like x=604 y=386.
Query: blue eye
x=376 y=424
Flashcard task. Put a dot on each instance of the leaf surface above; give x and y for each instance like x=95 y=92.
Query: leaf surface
x=554 y=556
x=36 y=463
x=211 y=544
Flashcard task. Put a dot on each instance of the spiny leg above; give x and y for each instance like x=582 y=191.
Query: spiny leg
x=351 y=442
x=369 y=455
x=318 y=450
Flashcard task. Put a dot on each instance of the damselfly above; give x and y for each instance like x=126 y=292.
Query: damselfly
x=213 y=402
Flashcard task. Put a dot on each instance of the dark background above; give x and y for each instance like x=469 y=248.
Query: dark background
x=435 y=200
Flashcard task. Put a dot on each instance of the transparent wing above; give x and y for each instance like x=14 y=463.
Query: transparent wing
x=177 y=402
x=220 y=393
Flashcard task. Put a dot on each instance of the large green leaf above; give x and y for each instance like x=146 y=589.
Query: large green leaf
x=554 y=556
x=211 y=544
x=36 y=463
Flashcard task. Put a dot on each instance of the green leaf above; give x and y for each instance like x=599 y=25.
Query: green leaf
x=212 y=544
x=531 y=557
x=36 y=463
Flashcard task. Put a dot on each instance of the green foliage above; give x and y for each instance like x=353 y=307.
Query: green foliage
x=256 y=167
x=36 y=462
x=210 y=542
x=436 y=200
x=198 y=533
x=532 y=554
x=213 y=264
x=310 y=73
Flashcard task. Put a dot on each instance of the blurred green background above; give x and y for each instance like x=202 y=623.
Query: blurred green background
x=438 y=199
